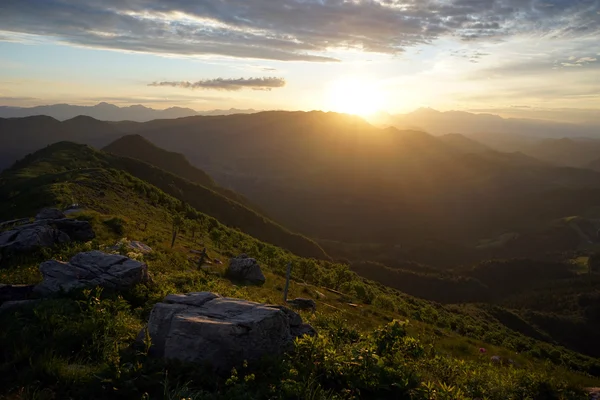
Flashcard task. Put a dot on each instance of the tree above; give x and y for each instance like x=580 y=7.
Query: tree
x=216 y=235
x=178 y=223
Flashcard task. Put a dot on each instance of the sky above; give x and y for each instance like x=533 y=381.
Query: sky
x=512 y=57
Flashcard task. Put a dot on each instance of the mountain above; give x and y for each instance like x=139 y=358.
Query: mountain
x=463 y=144
x=66 y=156
x=21 y=136
x=466 y=123
x=404 y=187
x=135 y=146
x=109 y=112
x=572 y=152
x=336 y=177
x=85 y=345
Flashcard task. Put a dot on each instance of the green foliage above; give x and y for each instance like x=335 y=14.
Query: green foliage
x=83 y=346
x=116 y=224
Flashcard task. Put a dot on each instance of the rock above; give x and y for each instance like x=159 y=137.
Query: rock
x=221 y=332
x=303 y=304
x=245 y=269
x=90 y=269
x=29 y=237
x=15 y=292
x=44 y=232
x=132 y=245
x=14 y=305
x=78 y=231
x=50 y=213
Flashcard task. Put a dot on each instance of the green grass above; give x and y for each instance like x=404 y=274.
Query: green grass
x=82 y=346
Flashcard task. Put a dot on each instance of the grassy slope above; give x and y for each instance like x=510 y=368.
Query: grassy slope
x=79 y=347
x=135 y=146
x=64 y=160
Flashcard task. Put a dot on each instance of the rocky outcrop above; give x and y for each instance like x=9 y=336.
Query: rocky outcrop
x=46 y=231
x=245 y=269
x=15 y=292
x=90 y=269
x=221 y=332
x=131 y=246
x=303 y=304
x=50 y=213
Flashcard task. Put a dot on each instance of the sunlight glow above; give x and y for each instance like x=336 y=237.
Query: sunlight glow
x=355 y=96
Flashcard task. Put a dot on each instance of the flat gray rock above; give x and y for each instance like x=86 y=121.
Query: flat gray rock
x=220 y=332
x=91 y=269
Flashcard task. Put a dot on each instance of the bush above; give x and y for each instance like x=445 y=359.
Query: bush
x=116 y=224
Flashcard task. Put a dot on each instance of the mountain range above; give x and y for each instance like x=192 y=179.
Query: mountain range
x=466 y=123
x=540 y=316
x=109 y=112
x=324 y=174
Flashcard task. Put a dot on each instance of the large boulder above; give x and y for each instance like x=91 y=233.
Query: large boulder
x=46 y=231
x=246 y=269
x=90 y=269
x=26 y=238
x=50 y=213
x=221 y=332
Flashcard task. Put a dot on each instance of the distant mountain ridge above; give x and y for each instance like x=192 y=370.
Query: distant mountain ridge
x=445 y=122
x=135 y=146
x=110 y=112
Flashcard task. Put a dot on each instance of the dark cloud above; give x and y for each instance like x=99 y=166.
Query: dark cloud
x=227 y=84
x=291 y=29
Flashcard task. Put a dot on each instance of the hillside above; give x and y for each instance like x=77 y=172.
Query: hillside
x=61 y=158
x=463 y=144
x=21 y=136
x=402 y=187
x=135 y=146
x=82 y=346
x=354 y=183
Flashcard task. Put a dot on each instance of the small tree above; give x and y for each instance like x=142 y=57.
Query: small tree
x=178 y=223
x=216 y=235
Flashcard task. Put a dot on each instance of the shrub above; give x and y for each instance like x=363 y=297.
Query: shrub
x=116 y=224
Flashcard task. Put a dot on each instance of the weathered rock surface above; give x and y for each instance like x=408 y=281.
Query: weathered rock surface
x=90 y=269
x=44 y=232
x=221 y=332
x=15 y=305
x=303 y=304
x=15 y=292
x=132 y=245
x=50 y=213
x=245 y=269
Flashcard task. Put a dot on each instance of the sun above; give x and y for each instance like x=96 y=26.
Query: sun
x=355 y=96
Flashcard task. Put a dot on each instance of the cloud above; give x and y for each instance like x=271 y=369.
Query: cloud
x=227 y=84
x=578 y=62
x=147 y=100
x=17 y=98
x=292 y=30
